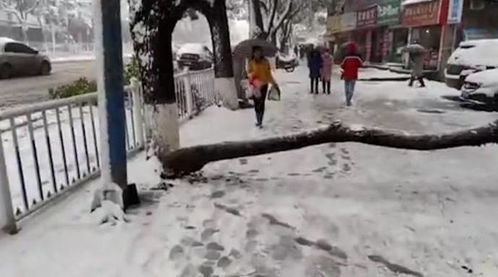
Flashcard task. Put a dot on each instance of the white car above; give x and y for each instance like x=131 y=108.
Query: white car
x=482 y=87
x=471 y=56
x=195 y=56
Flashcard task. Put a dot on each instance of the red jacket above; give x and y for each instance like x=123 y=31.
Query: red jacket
x=350 y=66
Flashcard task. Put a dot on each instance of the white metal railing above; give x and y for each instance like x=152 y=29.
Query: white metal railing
x=51 y=147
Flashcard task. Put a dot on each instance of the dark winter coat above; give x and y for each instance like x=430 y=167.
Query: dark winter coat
x=417 y=64
x=315 y=64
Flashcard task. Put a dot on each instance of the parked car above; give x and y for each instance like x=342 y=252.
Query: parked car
x=18 y=59
x=470 y=57
x=288 y=62
x=195 y=56
x=482 y=87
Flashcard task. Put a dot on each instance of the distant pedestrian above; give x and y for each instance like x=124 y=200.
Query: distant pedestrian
x=296 y=51
x=326 y=71
x=350 y=66
x=260 y=76
x=314 y=65
x=417 y=66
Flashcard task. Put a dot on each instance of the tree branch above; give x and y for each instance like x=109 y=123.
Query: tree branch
x=192 y=159
x=285 y=15
x=272 y=16
x=263 y=6
x=11 y=10
x=30 y=10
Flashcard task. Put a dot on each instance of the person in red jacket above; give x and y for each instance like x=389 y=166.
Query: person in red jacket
x=350 y=66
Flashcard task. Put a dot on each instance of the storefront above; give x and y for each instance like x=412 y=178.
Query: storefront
x=395 y=35
x=366 y=21
x=427 y=21
x=339 y=29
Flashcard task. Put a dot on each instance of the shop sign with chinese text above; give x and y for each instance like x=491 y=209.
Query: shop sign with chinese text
x=422 y=14
x=367 y=17
x=389 y=13
x=334 y=24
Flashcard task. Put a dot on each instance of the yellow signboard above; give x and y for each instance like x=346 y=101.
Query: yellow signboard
x=334 y=24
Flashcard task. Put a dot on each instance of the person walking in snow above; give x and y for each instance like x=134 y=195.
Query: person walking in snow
x=260 y=76
x=417 y=66
x=326 y=71
x=314 y=65
x=350 y=66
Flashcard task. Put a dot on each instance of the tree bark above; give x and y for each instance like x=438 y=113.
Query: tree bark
x=155 y=21
x=258 y=18
x=220 y=36
x=223 y=63
x=192 y=159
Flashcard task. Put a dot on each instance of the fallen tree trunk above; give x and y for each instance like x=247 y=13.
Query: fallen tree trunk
x=188 y=160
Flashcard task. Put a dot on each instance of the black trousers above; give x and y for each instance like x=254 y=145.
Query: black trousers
x=314 y=85
x=326 y=87
x=420 y=79
x=259 y=105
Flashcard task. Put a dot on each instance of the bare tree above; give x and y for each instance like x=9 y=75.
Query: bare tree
x=277 y=14
x=21 y=9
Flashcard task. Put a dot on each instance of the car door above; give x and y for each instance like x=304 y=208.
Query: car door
x=22 y=58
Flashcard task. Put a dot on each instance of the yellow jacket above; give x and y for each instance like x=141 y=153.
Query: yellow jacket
x=260 y=70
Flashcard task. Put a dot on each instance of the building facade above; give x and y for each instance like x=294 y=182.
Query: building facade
x=383 y=27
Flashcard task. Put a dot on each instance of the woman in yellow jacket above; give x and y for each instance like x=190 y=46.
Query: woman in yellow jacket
x=259 y=71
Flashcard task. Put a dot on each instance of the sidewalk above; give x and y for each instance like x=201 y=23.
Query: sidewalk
x=334 y=210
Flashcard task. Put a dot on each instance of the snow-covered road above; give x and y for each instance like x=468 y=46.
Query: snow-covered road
x=333 y=210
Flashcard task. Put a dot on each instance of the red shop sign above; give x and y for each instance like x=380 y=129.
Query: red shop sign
x=422 y=14
x=367 y=17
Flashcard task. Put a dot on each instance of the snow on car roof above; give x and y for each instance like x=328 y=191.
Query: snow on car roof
x=484 y=77
x=476 y=53
x=479 y=42
x=4 y=40
x=191 y=48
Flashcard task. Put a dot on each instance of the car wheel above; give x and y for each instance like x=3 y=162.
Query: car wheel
x=5 y=71
x=45 y=68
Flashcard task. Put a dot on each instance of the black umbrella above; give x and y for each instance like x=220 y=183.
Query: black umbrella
x=244 y=49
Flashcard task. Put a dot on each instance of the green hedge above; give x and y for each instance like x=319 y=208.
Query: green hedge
x=83 y=85
x=78 y=87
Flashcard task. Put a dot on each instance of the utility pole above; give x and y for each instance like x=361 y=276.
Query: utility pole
x=111 y=100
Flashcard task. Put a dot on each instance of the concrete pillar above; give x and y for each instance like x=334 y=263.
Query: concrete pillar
x=368 y=46
x=448 y=36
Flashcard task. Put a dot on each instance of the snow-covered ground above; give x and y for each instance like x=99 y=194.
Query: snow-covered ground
x=332 y=210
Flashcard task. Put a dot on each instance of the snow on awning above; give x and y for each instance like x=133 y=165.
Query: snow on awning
x=411 y=2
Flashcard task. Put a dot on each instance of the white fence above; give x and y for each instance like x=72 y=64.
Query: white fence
x=51 y=147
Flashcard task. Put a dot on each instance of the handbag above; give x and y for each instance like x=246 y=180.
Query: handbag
x=254 y=89
x=274 y=94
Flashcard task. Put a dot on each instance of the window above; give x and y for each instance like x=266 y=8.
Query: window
x=18 y=48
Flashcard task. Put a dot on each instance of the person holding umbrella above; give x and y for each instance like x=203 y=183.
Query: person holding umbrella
x=260 y=76
x=416 y=58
